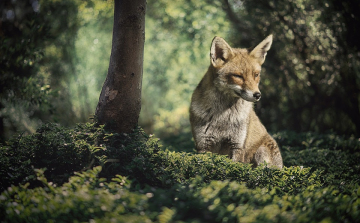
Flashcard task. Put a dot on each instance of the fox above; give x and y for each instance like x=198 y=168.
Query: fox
x=222 y=115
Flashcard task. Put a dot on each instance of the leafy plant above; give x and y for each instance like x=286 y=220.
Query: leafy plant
x=93 y=174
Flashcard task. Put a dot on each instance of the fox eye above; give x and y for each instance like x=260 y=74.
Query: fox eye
x=238 y=76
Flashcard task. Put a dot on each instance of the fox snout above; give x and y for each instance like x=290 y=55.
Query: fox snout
x=249 y=95
x=245 y=94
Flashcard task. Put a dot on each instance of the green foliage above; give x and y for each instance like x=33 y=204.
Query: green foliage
x=332 y=154
x=21 y=42
x=139 y=181
x=85 y=197
x=225 y=201
x=22 y=89
x=62 y=151
x=89 y=198
x=54 y=67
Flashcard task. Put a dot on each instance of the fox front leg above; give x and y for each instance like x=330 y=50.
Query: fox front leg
x=206 y=144
x=238 y=155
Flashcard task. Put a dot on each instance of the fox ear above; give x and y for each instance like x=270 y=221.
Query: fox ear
x=260 y=51
x=220 y=52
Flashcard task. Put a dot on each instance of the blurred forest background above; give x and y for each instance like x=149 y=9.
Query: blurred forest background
x=54 y=56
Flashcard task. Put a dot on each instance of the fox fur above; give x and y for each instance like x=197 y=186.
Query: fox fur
x=222 y=117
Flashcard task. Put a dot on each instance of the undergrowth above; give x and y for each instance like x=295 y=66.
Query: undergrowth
x=87 y=173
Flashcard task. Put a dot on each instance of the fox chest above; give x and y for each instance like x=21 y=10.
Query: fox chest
x=226 y=131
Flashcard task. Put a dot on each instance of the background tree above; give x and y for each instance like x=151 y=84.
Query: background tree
x=120 y=99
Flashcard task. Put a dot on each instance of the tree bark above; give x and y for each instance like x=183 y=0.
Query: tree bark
x=120 y=99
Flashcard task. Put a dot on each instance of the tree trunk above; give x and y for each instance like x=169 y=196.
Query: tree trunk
x=120 y=99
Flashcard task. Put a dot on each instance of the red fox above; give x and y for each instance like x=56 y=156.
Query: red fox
x=222 y=117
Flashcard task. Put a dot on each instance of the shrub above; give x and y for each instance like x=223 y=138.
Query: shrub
x=62 y=151
x=86 y=197
x=136 y=180
x=226 y=201
x=337 y=157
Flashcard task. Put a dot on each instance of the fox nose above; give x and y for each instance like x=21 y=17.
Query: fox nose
x=257 y=95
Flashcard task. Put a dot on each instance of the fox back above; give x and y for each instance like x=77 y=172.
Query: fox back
x=222 y=117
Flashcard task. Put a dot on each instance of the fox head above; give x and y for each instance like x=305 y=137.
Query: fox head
x=237 y=71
